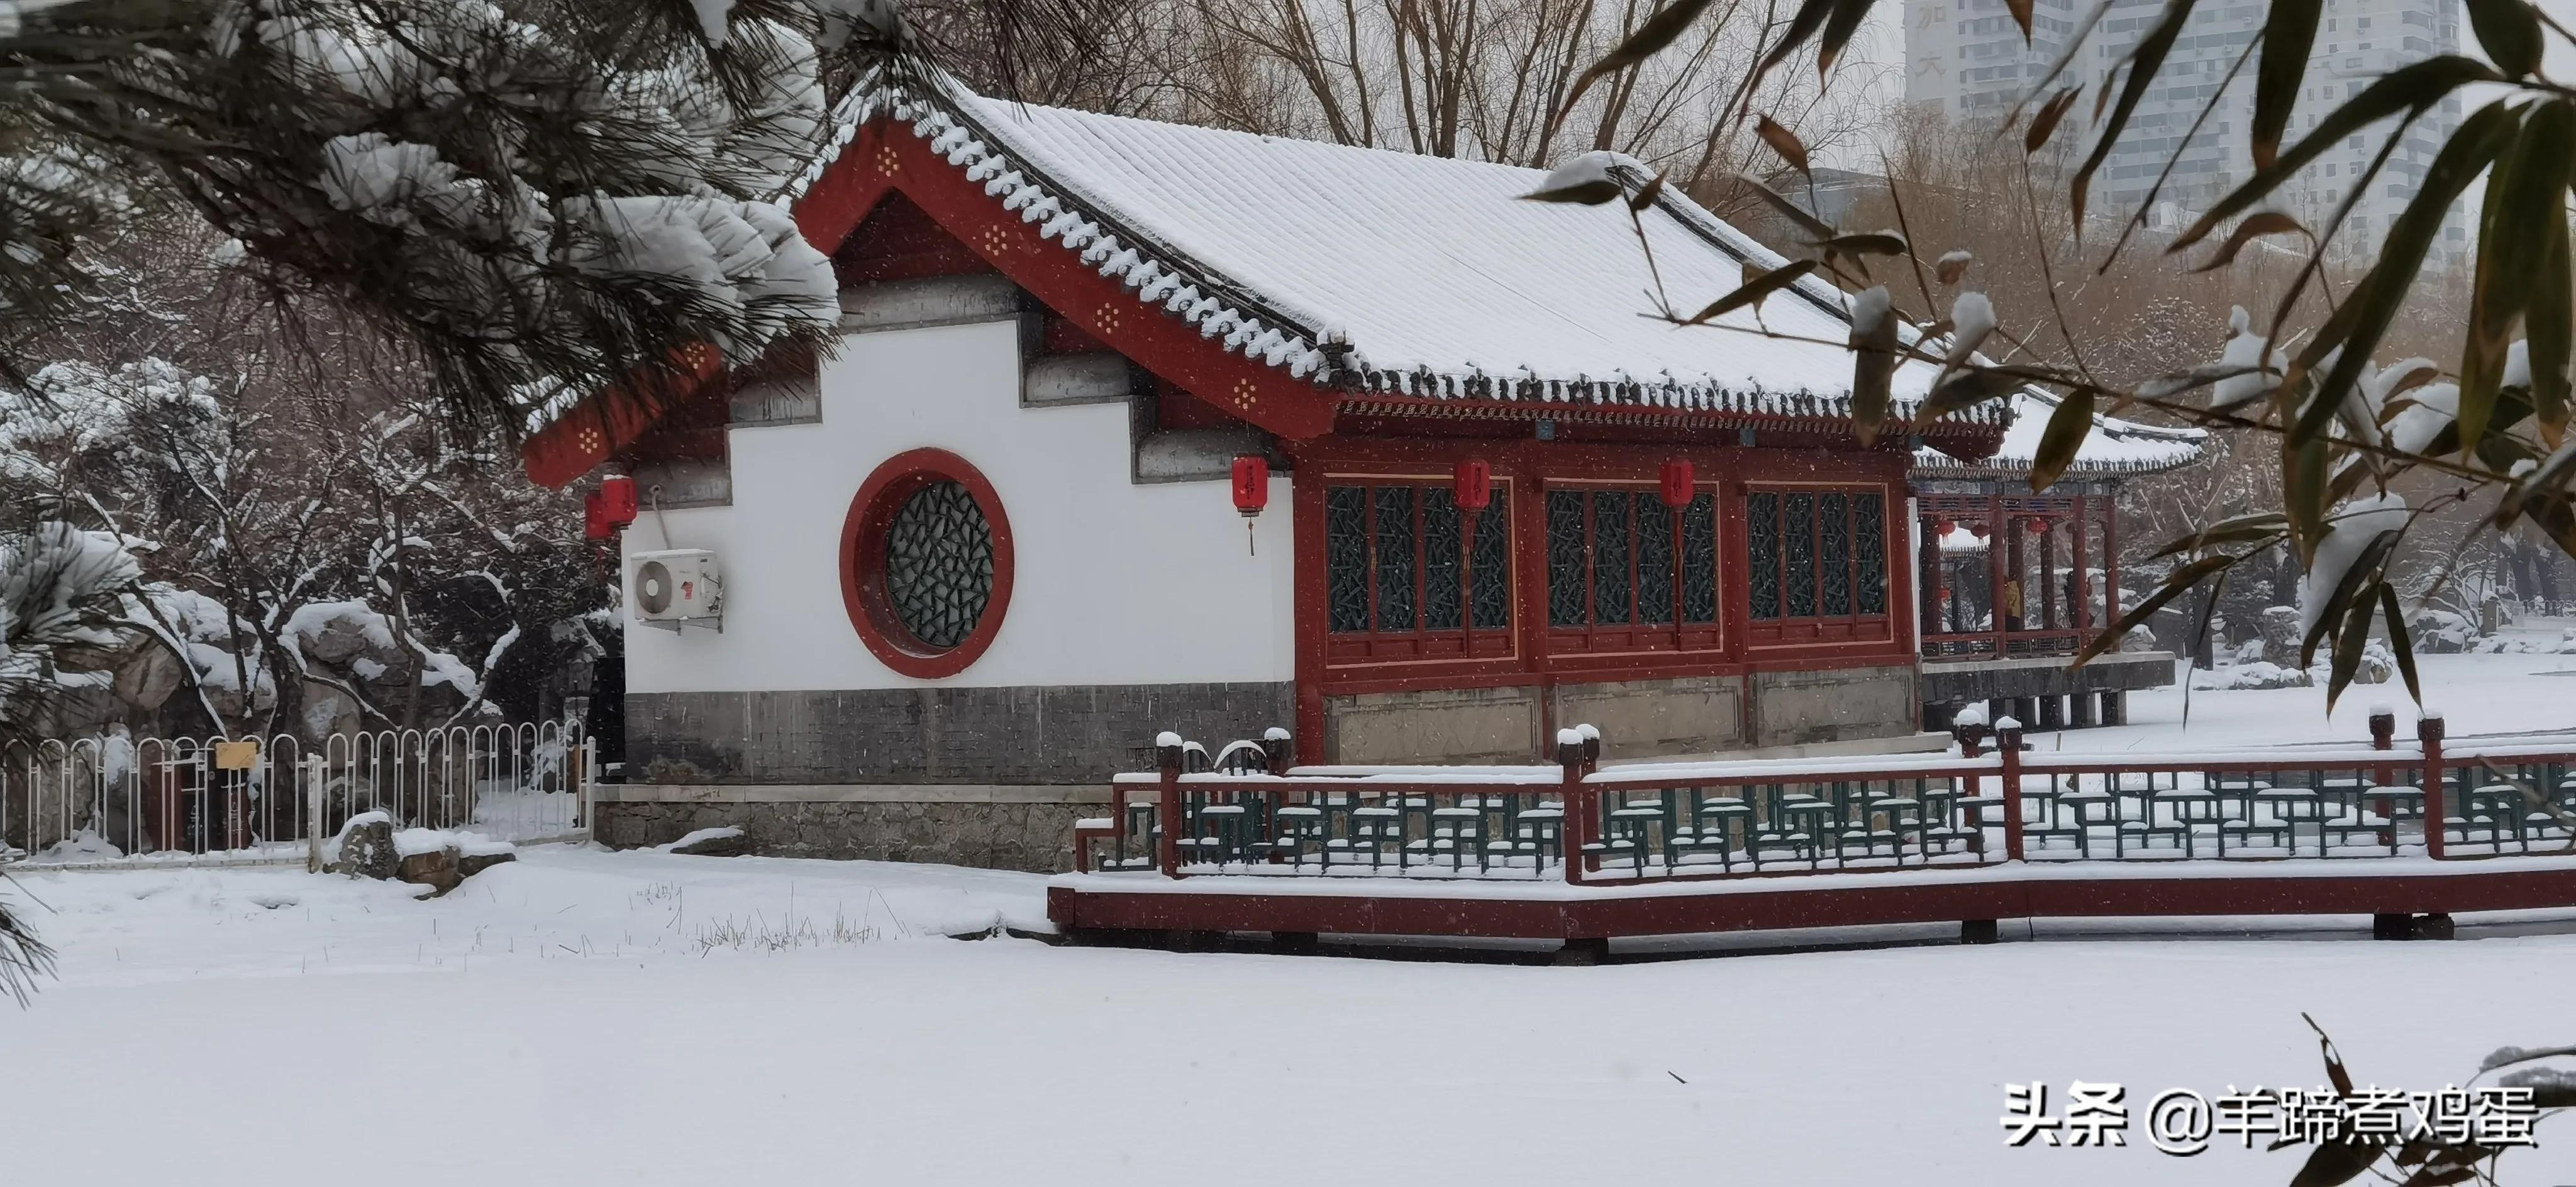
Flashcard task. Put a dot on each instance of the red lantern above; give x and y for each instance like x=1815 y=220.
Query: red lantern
x=1251 y=493
x=594 y=518
x=1472 y=486
x=1251 y=484
x=1979 y=531
x=1945 y=527
x=1677 y=483
x=2035 y=524
x=617 y=499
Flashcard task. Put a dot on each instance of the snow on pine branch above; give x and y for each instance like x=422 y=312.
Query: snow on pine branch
x=535 y=198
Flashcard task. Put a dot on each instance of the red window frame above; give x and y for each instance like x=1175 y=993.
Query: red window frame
x=1786 y=629
x=1595 y=637
x=1421 y=643
x=862 y=570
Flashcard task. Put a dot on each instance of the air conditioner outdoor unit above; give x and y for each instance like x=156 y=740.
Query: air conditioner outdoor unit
x=676 y=588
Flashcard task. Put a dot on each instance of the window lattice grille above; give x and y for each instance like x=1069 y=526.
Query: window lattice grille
x=939 y=564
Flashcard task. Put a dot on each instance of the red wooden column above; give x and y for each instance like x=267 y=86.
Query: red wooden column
x=1995 y=532
x=2081 y=546
x=2047 y=576
x=2111 y=560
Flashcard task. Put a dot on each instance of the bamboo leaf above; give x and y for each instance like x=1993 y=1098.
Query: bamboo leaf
x=1803 y=25
x=2303 y=492
x=2145 y=60
x=2364 y=317
x=1874 y=359
x=2058 y=443
x=2288 y=34
x=1647 y=193
x=2413 y=88
x=2256 y=225
x=2335 y=1163
x=2260 y=525
x=1953 y=266
x=2546 y=326
x=2347 y=658
x=1876 y=244
x=2182 y=579
x=1754 y=290
x=2510 y=33
x=1967 y=387
x=2021 y=16
x=2399 y=641
x=2528 y=188
x=2043 y=123
x=1658 y=31
x=2365 y=569
x=1846 y=20
x=1781 y=205
x=1784 y=142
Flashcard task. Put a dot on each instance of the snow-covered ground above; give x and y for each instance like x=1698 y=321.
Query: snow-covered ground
x=643 y=1018
x=582 y=1016
x=2477 y=694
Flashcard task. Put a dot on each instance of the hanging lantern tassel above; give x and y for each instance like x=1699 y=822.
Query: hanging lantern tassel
x=1251 y=494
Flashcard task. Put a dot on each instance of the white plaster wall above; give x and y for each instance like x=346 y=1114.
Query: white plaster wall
x=1116 y=583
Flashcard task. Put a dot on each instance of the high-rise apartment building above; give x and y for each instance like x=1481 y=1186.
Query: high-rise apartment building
x=1968 y=58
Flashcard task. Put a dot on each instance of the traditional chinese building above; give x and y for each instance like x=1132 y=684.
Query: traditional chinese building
x=985 y=551
x=2050 y=562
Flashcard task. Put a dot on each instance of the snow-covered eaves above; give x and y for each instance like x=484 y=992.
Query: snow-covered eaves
x=1395 y=275
x=2114 y=447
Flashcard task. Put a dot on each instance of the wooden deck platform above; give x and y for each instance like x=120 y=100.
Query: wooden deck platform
x=2403 y=887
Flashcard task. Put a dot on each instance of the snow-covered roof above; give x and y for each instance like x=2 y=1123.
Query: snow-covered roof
x=2115 y=446
x=1391 y=273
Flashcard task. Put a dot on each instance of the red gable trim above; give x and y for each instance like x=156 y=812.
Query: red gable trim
x=596 y=429
x=884 y=157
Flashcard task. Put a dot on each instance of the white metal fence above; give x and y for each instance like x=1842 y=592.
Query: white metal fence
x=117 y=799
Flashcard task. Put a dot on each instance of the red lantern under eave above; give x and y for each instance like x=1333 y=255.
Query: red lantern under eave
x=1677 y=483
x=1945 y=527
x=1251 y=484
x=617 y=499
x=1979 y=531
x=2035 y=525
x=1251 y=493
x=594 y=518
x=1472 y=485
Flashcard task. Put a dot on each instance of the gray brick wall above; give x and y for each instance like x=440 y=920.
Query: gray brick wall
x=933 y=735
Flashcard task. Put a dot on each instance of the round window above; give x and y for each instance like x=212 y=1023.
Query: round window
x=939 y=564
x=926 y=563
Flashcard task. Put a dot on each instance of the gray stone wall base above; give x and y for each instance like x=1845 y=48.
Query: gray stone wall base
x=1833 y=705
x=1037 y=837
x=1696 y=715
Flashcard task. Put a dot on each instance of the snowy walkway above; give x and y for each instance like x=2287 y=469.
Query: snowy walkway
x=584 y=1017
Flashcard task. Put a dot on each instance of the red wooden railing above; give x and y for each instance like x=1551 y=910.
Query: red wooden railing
x=1978 y=805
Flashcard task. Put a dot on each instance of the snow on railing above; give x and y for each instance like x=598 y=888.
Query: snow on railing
x=1987 y=800
x=218 y=800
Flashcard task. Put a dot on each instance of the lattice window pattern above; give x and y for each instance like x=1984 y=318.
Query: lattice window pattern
x=1491 y=575
x=1869 y=553
x=939 y=564
x=1565 y=558
x=1699 y=560
x=1654 y=560
x=1442 y=553
x=1346 y=567
x=1392 y=528
x=1762 y=562
x=1833 y=538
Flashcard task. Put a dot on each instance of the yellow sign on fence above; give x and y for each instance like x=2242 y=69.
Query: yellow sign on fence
x=236 y=756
